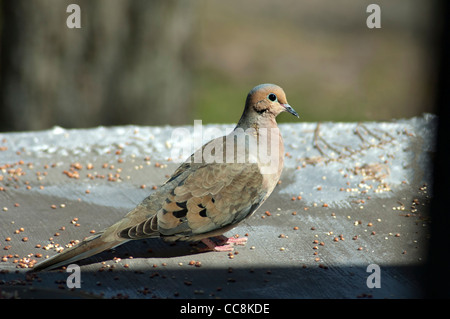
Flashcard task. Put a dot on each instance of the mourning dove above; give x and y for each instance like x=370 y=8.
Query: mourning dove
x=216 y=188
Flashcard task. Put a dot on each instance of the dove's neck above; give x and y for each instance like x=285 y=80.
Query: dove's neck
x=270 y=150
x=256 y=121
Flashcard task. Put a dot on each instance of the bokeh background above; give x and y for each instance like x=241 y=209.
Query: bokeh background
x=170 y=62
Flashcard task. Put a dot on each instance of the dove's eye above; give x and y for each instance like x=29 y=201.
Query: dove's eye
x=272 y=97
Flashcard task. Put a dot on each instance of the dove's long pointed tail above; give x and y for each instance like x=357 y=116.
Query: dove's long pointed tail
x=88 y=247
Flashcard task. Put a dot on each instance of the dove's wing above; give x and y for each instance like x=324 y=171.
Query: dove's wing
x=202 y=201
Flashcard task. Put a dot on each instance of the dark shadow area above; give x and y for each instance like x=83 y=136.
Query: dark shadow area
x=437 y=281
x=186 y=281
x=147 y=248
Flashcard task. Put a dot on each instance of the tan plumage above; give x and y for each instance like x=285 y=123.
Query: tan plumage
x=204 y=199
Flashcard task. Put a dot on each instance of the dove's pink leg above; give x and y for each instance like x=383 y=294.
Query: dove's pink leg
x=233 y=240
x=225 y=244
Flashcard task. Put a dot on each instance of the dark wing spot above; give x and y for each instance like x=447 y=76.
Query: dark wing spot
x=201 y=206
x=180 y=213
x=213 y=200
x=182 y=205
x=203 y=212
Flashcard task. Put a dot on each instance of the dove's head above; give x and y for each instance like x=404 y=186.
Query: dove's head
x=268 y=100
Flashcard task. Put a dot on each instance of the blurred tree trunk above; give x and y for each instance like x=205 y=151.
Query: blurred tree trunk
x=128 y=64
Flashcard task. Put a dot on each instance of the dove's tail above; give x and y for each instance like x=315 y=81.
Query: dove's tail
x=88 y=247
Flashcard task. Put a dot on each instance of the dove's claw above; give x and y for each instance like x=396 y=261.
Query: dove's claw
x=212 y=245
x=222 y=243
x=237 y=241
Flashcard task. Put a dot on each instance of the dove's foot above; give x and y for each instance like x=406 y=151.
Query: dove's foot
x=222 y=243
x=236 y=241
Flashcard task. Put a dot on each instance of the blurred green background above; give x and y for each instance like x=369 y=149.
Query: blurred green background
x=170 y=62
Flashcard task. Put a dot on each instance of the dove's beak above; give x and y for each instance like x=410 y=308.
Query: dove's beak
x=289 y=109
